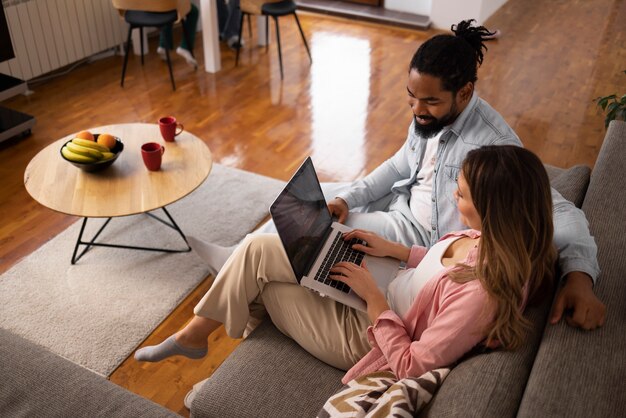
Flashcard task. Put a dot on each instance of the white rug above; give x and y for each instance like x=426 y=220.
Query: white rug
x=96 y=312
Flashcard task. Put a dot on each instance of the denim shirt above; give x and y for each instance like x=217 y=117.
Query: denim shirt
x=478 y=125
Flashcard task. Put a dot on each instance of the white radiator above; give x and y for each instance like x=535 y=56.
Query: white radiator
x=49 y=34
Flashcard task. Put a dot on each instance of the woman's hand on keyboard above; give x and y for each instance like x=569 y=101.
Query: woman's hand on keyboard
x=362 y=283
x=376 y=245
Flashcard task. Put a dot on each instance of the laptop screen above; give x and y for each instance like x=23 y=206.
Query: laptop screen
x=302 y=218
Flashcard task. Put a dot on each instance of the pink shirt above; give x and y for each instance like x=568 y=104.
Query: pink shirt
x=446 y=320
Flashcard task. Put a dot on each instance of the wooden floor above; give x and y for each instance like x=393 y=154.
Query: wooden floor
x=348 y=111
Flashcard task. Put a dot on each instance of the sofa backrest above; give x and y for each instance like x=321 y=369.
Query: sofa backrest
x=578 y=373
x=572 y=182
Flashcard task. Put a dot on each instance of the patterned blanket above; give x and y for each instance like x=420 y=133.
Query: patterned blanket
x=380 y=394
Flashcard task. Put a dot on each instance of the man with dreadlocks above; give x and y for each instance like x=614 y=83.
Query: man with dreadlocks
x=410 y=197
x=449 y=120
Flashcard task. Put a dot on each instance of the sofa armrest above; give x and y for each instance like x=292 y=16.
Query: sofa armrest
x=39 y=383
x=578 y=373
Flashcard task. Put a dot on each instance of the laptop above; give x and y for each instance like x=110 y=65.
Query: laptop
x=314 y=242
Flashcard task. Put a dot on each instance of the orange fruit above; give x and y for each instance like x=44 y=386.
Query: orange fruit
x=106 y=140
x=85 y=135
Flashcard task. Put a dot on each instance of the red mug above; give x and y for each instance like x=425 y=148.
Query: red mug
x=170 y=128
x=152 y=154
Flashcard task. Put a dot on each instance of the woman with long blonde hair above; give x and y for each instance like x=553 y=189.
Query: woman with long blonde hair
x=510 y=190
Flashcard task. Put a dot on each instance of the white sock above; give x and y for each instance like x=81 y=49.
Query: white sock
x=187 y=56
x=212 y=254
x=161 y=52
x=166 y=349
x=233 y=41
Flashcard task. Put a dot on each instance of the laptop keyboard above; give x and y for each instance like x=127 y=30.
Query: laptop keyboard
x=340 y=250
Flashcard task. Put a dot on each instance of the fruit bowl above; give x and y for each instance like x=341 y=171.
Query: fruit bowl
x=94 y=165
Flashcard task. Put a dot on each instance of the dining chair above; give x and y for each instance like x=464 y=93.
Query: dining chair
x=275 y=9
x=151 y=13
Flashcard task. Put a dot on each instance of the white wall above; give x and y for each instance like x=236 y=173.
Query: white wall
x=489 y=7
x=418 y=7
x=445 y=13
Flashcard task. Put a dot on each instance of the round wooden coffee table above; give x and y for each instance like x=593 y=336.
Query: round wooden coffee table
x=126 y=187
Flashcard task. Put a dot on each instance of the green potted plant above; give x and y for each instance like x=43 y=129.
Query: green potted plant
x=614 y=107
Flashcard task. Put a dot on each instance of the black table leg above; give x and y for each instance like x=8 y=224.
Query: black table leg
x=88 y=244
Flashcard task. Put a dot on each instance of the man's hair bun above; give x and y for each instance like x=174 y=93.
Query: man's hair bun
x=474 y=35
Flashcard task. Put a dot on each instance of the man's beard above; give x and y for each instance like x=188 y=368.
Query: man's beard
x=434 y=127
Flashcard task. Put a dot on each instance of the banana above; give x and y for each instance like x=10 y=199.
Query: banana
x=72 y=156
x=90 y=144
x=108 y=155
x=86 y=151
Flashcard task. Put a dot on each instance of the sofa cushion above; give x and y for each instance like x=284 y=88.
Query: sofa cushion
x=578 y=373
x=571 y=182
x=39 y=383
x=268 y=375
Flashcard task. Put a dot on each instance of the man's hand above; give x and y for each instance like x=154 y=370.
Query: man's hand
x=588 y=312
x=339 y=208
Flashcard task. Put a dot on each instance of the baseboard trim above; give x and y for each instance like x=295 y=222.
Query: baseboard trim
x=366 y=13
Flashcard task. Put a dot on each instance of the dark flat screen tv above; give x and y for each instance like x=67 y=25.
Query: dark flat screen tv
x=6 y=47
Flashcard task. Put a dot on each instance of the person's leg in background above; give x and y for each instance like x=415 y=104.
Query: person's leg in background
x=231 y=31
x=166 y=41
x=222 y=17
x=166 y=38
x=189 y=25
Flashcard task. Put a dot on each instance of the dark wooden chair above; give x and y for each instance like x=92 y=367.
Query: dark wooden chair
x=275 y=9
x=150 y=13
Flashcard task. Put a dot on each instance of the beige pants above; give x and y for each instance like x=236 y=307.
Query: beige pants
x=259 y=278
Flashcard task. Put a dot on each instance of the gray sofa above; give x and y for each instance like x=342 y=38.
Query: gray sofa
x=37 y=383
x=561 y=372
